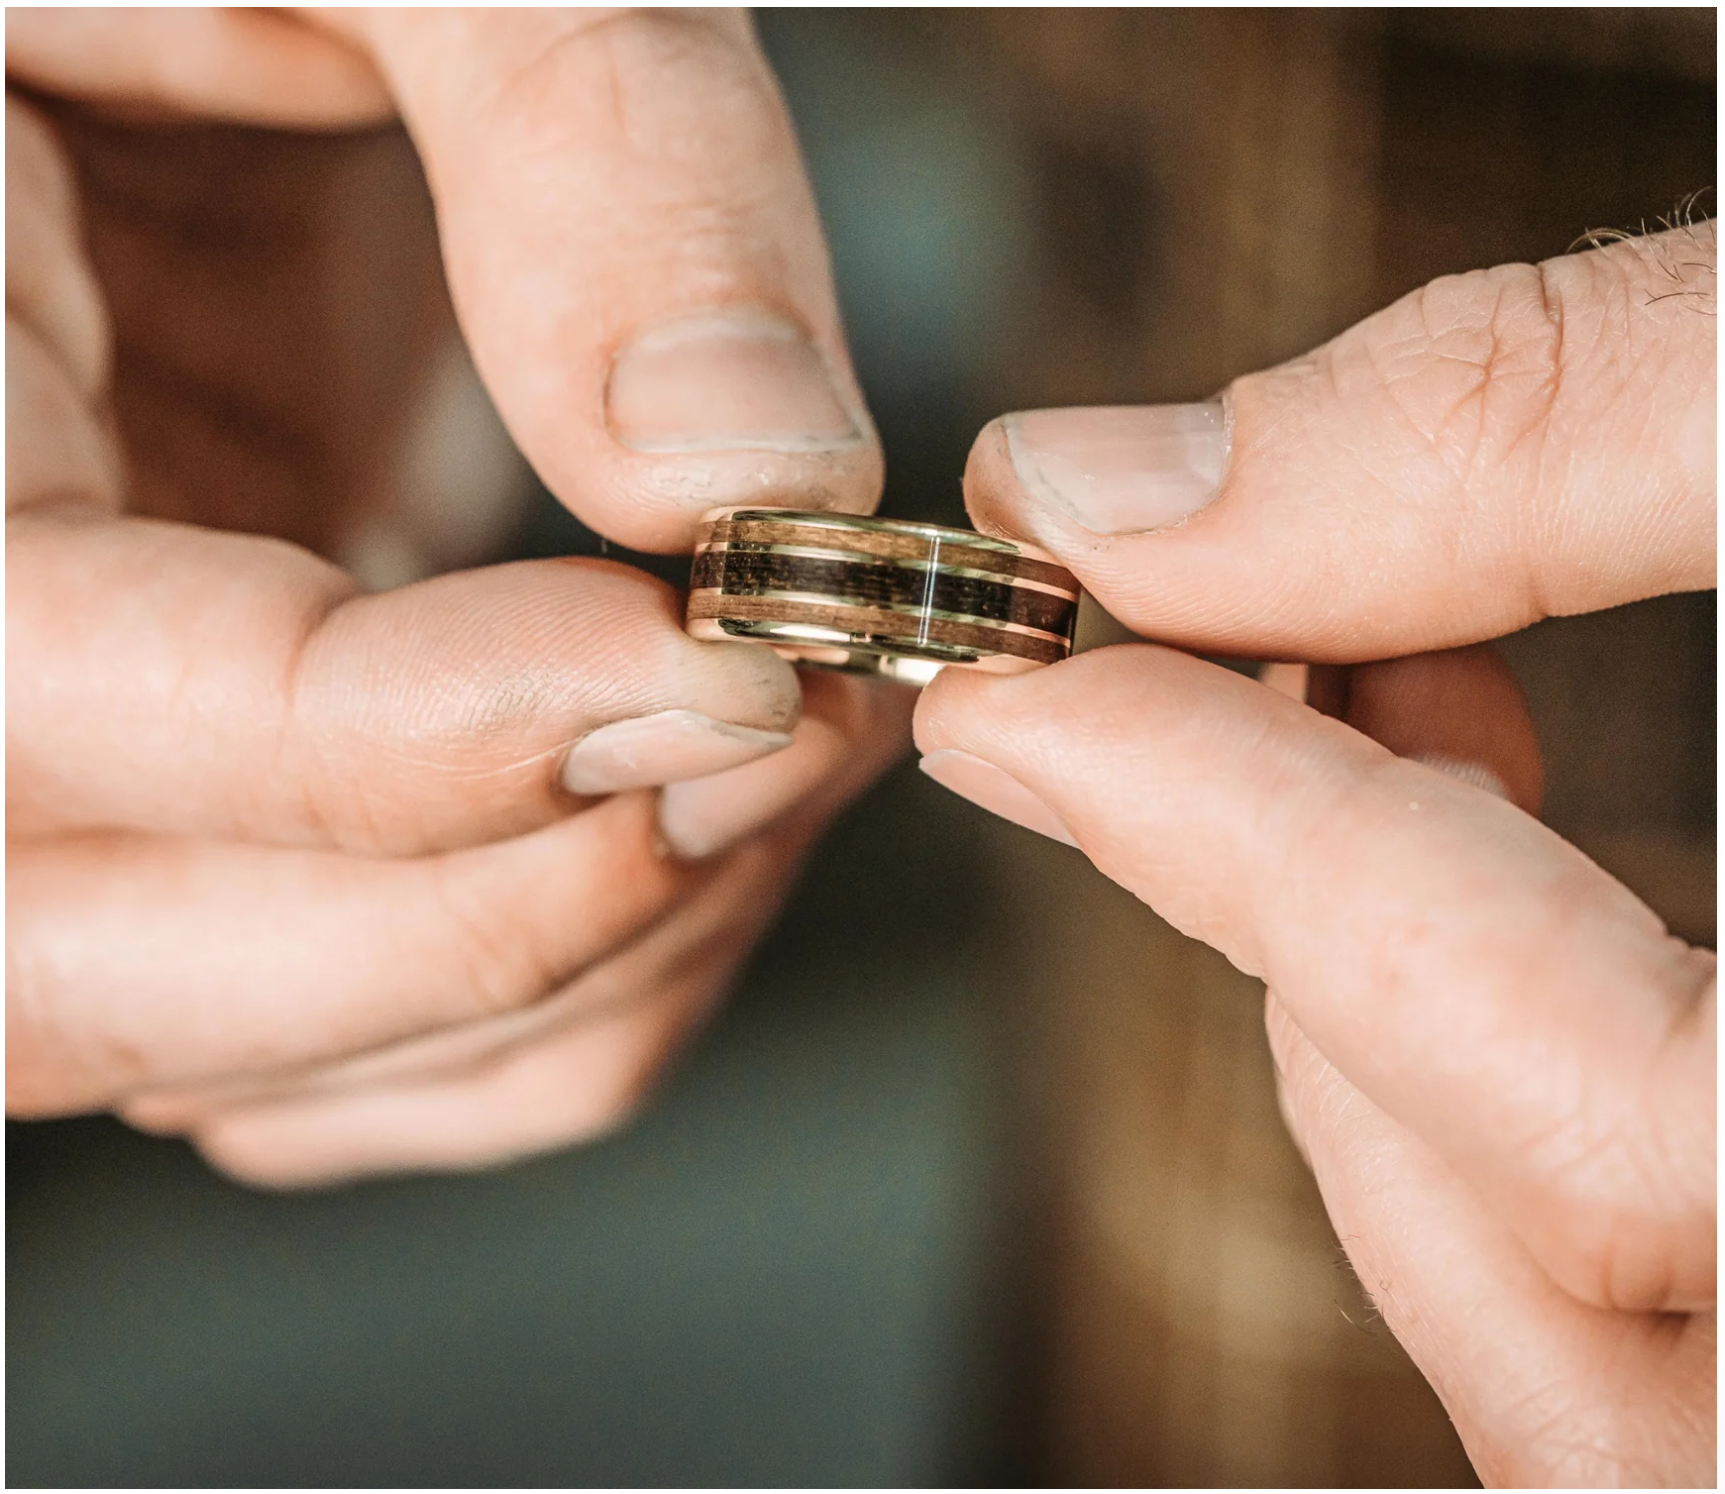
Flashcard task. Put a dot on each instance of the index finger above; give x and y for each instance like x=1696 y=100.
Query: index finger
x=1495 y=448
x=1472 y=974
x=191 y=682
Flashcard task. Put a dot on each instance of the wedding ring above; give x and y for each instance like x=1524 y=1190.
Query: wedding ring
x=879 y=596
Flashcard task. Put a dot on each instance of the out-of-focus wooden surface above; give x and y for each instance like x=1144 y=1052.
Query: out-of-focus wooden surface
x=1219 y=190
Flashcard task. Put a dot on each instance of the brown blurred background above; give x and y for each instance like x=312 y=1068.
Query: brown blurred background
x=1216 y=191
x=997 y=1194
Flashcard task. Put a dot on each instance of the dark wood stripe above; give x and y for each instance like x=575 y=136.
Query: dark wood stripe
x=910 y=545
x=753 y=572
x=886 y=630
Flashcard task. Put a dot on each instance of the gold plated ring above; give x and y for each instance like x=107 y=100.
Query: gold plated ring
x=879 y=596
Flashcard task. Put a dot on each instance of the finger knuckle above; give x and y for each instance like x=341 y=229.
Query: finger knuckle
x=1557 y=1443
x=522 y=920
x=1623 y=1212
x=655 y=79
x=1474 y=365
x=497 y=949
x=55 y=1065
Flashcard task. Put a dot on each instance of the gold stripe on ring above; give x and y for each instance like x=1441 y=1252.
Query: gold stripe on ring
x=855 y=621
x=863 y=557
x=863 y=604
x=881 y=540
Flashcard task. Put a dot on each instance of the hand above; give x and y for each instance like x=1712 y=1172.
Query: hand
x=332 y=881
x=1500 y=1065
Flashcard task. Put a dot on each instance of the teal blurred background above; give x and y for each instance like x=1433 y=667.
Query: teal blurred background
x=790 y=1271
x=802 y=1265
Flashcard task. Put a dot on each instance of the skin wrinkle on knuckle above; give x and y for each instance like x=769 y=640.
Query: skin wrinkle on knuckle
x=1690 y=1033
x=1651 y=1253
x=1617 y=365
x=612 y=989
x=1556 y=1434
x=1606 y=1201
x=631 y=59
x=1694 y=1013
x=1319 y=411
x=1468 y=368
x=1484 y=371
x=35 y=1033
x=62 y=1063
x=685 y=60
x=1599 y=1243
x=301 y=756
x=495 y=951
x=1609 y=1171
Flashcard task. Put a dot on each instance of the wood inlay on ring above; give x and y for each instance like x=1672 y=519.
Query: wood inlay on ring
x=913 y=544
x=753 y=573
x=884 y=629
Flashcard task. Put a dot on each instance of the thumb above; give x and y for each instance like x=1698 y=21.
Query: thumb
x=636 y=259
x=1494 y=448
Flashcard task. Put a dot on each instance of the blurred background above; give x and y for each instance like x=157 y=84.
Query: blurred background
x=1001 y=1195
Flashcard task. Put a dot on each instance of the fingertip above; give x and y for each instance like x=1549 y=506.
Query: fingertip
x=650 y=492
x=744 y=682
x=703 y=817
x=572 y=1085
x=944 y=704
x=987 y=472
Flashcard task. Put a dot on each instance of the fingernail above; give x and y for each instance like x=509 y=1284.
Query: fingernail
x=645 y=751
x=707 y=815
x=998 y=792
x=1121 y=470
x=723 y=380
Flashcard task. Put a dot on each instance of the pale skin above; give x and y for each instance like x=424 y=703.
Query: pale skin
x=294 y=869
x=1498 y=1062
x=291 y=868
